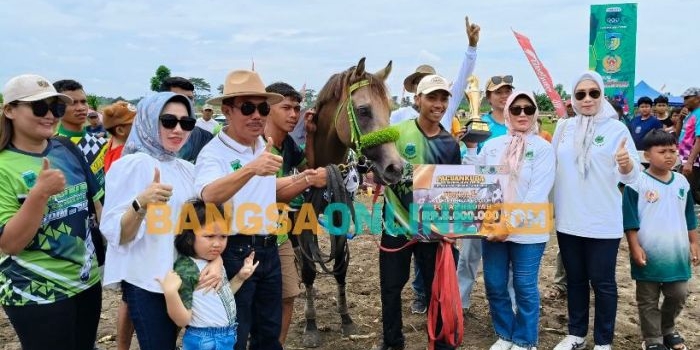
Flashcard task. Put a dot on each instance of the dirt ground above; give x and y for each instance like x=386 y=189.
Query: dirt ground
x=365 y=308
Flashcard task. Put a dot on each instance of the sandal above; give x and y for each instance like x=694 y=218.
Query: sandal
x=674 y=341
x=554 y=293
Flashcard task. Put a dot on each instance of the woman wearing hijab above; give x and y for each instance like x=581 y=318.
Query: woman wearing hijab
x=49 y=278
x=530 y=162
x=140 y=248
x=594 y=153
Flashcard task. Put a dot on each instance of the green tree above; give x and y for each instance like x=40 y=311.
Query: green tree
x=162 y=73
x=2 y=100
x=309 y=98
x=93 y=102
x=220 y=88
x=543 y=102
x=560 y=90
x=201 y=87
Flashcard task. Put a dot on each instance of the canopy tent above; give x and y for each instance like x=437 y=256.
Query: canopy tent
x=643 y=89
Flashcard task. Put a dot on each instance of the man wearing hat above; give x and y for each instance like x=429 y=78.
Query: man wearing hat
x=422 y=141
x=207 y=122
x=237 y=167
x=689 y=140
x=95 y=128
x=459 y=84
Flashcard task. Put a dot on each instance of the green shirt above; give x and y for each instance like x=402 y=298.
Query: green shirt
x=94 y=149
x=293 y=157
x=59 y=262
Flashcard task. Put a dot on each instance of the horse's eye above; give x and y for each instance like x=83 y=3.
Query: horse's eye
x=364 y=111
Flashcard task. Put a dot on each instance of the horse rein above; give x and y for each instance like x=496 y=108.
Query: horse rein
x=368 y=140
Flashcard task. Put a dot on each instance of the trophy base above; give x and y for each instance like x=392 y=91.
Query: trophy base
x=477 y=131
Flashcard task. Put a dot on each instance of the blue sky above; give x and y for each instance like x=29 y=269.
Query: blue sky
x=114 y=47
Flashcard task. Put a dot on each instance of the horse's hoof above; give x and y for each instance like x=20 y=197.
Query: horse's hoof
x=311 y=339
x=348 y=329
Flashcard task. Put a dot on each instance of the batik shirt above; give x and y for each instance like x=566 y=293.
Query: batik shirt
x=209 y=309
x=93 y=148
x=417 y=148
x=662 y=212
x=59 y=262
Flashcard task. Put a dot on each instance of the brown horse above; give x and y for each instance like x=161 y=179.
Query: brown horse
x=352 y=112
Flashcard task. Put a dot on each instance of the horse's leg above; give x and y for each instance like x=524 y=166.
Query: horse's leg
x=311 y=337
x=340 y=267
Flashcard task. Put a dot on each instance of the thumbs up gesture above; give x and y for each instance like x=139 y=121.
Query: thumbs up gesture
x=50 y=181
x=156 y=192
x=267 y=163
x=622 y=157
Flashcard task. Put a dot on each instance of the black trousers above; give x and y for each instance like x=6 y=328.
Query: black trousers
x=69 y=324
x=394 y=270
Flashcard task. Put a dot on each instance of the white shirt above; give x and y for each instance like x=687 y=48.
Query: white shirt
x=536 y=176
x=222 y=156
x=591 y=207
x=207 y=125
x=147 y=256
x=212 y=309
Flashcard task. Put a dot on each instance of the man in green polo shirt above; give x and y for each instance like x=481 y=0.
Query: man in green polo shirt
x=291 y=183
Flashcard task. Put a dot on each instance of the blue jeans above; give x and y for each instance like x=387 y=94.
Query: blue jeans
x=417 y=284
x=209 y=338
x=590 y=262
x=259 y=300
x=521 y=326
x=154 y=328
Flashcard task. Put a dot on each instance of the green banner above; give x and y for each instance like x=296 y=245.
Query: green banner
x=612 y=50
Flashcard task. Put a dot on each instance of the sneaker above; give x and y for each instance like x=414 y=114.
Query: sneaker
x=501 y=344
x=602 y=347
x=571 y=342
x=418 y=307
x=515 y=347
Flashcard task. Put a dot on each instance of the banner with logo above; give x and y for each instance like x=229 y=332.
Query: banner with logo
x=542 y=73
x=612 y=50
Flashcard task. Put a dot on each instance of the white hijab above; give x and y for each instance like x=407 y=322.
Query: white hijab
x=586 y=125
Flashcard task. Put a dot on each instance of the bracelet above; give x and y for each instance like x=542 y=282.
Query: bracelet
x=306 y=177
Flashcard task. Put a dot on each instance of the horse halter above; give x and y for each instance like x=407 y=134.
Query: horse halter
x=368 y=140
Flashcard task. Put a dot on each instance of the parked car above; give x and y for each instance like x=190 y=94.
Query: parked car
x=221 y=119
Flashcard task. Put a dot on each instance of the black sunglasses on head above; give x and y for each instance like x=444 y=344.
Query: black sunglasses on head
x=170 y=121
x=248 y=108
x=42 y=107
x=516 y=110
x=508 y=79
x=580 y=95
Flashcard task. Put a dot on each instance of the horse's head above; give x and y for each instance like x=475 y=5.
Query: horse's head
x=361 y=118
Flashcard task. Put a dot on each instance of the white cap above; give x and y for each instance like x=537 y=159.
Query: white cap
x=30 y=87
x=432 y=83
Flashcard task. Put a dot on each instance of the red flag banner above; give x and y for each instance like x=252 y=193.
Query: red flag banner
x=541 y=72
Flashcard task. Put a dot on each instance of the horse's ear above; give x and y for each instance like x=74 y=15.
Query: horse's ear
x=359 y=69
x=384 y=72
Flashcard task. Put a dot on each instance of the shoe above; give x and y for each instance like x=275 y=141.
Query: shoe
x=602 y=347
x=418 y=307
x=571 y=342
x=383 y=346
x=653 y=346
x=515 y=347
x=501 y=344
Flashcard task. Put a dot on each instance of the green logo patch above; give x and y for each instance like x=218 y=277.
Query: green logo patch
x=410 y=150
x=681 y=193
x=29 y=178
x=599 y=140
x=236 y=164
x=529 y=155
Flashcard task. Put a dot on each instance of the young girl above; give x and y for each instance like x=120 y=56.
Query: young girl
x=210 y=318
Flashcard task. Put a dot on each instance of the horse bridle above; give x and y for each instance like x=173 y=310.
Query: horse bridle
x=368 y=140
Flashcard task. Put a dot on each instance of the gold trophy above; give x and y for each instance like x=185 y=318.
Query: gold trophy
x=477 y=129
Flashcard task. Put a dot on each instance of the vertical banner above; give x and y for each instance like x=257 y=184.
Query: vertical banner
x=542 y=73
x=612 y=50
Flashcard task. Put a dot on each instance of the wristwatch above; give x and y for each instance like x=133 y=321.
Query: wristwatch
x=137 y=207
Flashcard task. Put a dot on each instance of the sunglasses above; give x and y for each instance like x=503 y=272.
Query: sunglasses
x=508 y=79
x=42 y=107
x=248 y=108
x=516 y=110
x=170 y=121
x=580 y=95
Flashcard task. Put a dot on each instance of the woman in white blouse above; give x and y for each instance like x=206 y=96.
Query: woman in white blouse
x=594 y=154
x=513 y=245
x=141 y=247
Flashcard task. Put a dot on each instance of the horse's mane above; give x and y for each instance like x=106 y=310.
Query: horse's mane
x=335 y=87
